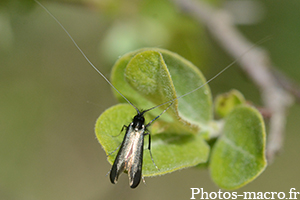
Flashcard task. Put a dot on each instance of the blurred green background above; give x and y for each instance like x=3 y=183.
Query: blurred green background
x=50 y=97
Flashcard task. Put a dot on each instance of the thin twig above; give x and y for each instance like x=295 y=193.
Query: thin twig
x=256 y=63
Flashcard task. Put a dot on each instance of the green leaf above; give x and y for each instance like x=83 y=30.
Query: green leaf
x=225 y=103
x=238 y=157
x=153 y=76
x=170 y=151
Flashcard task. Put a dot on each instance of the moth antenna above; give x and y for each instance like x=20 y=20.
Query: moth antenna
x=158 y=115
x=215 y=76
x=83 y=54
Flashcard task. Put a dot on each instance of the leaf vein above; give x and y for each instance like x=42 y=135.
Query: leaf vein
x=238 y=148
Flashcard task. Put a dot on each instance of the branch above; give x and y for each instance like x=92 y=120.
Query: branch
x=256 y=63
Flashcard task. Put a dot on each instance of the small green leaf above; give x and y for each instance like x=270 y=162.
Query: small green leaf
x=170 y=151
x=148 y=74
x=238 y=157
x=225 y=103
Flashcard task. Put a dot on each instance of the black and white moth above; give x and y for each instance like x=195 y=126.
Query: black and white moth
x=130 y=155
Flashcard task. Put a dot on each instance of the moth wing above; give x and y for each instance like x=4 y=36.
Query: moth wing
x=119 y=163
x=135 y=172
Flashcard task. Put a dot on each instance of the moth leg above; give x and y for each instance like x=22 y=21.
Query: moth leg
x=143 y=180
x=124 y=126
x=149 y=148
x=114 y=150
x=158 y=115
x=107 y=173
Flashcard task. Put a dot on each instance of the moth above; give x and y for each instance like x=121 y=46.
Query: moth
x=130 y=153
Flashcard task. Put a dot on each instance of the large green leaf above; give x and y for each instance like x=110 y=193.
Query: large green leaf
x=170 y=151
x=238 y=157
x=152 y=76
